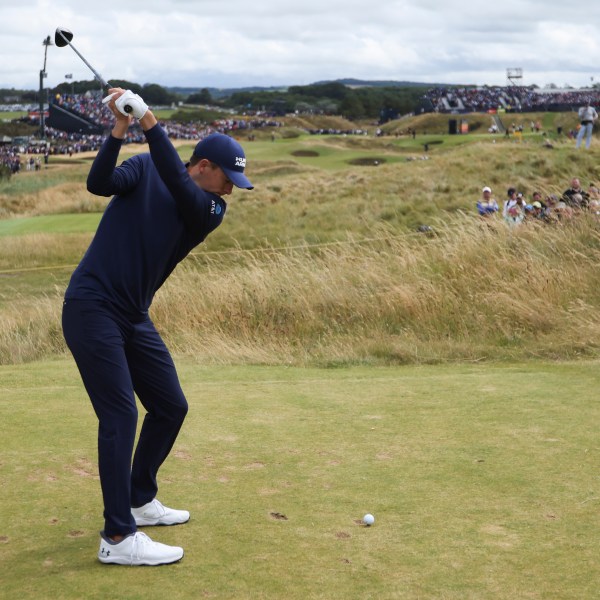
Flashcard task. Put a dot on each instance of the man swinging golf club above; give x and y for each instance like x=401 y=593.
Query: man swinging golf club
x=160 y=210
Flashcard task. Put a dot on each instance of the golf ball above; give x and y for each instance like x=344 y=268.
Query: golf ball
x=368 y=519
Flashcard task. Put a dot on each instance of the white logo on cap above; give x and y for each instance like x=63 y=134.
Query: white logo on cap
x=240 y=161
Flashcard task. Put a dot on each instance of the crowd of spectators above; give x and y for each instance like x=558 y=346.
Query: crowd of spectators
x=331 y=131
x=89 y=106
x=10 y=158
x=550 y=208
x=507 y=98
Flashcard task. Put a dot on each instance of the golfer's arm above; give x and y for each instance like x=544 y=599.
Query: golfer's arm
x=122 y=125
x=148 y=121
x=193 y=203
x=119 y=129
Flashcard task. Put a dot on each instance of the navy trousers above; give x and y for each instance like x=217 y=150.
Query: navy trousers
x=118 y=358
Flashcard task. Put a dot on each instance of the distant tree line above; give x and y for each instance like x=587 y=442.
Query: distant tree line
x=331 y=98
x=151 y=92
x=383 y=103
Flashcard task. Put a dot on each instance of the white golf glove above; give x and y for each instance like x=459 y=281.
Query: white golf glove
x=131 y=104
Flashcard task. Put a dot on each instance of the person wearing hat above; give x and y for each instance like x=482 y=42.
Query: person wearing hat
x=160 y=209
x=537 y=210
x=486 y=205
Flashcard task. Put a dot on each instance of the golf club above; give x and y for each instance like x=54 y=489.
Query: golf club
x=62 y=38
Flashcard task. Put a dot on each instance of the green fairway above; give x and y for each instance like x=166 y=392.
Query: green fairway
x=483 y=480
x=62 y=223
x=323 y=152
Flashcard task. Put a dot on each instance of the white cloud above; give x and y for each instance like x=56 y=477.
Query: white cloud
x=233 y=43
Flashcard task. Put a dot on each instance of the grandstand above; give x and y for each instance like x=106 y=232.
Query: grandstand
x=77 y=114
x=67 y=120
x=461 y=100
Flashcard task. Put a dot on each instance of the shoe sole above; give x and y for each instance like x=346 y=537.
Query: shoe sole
x=157 y=522
x=123 y=562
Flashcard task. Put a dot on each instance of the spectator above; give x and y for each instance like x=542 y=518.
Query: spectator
x=487 y=205
x=594 y=207
x=511 y=198
x=513 y=210
x=563 y=211
x=593 y=192
x=551 y=203
x=537 y=211
x=536 y=197
x=576 y=197
x=587 y=117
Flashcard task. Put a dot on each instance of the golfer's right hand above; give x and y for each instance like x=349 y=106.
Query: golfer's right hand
x=129 y=103
x=122 y=122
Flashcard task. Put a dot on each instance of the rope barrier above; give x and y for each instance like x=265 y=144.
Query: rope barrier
x=30 y=269
x=241 y=251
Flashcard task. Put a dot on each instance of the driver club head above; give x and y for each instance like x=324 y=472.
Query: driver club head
x=62 y=37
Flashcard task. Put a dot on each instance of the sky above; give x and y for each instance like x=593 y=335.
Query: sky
x=233 y=43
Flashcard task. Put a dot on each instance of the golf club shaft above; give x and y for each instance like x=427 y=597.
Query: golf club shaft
x=96 y=74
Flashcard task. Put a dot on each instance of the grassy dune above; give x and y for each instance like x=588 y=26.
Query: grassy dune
x=321 y=262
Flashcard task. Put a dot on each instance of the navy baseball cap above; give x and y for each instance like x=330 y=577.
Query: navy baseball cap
x=225 y=152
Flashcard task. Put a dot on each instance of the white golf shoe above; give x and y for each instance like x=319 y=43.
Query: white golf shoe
x=137 y=549
x=155 y=513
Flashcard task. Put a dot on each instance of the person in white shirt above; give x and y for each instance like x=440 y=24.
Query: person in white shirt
x=587 y=116
x=513 y=210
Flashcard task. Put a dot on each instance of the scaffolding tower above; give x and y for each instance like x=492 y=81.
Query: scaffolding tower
x=514 y=76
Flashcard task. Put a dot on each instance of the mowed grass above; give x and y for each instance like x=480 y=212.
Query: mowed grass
x=60 y=223
x=483 y=481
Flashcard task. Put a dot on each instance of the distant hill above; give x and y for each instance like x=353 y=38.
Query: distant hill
x=218 y=93
x=390 y=83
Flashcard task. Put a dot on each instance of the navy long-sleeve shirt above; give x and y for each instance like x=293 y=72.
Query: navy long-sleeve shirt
x=157 y=215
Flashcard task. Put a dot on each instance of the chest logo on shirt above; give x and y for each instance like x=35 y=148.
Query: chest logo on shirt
x=215 y=208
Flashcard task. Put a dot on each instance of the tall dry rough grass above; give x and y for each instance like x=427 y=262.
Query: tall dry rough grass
x=41 y=250
x=70 y=197
x=30 y=329
x=472 y=291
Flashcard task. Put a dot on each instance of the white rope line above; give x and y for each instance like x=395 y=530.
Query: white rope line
x=234 y=251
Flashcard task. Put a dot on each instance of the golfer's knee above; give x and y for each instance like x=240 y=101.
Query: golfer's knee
x=180 y=410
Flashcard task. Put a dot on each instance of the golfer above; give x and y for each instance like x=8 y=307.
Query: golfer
x=160 y=210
